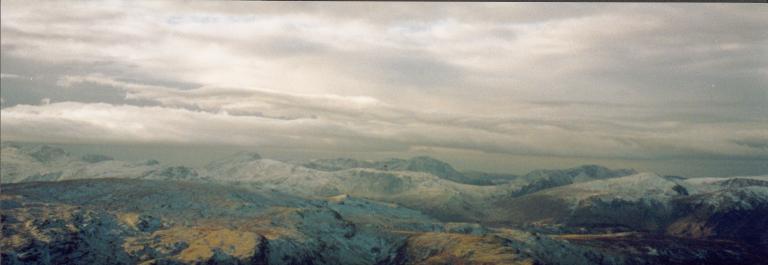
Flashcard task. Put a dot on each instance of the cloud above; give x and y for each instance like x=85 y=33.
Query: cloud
x=9 y=76
x=86 y=122
x=596 y=80
x=520 y=51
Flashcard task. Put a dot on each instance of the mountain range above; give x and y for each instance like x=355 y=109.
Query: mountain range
x=58 y=208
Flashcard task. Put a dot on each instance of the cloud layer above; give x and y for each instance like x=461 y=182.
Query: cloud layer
x=628 y=81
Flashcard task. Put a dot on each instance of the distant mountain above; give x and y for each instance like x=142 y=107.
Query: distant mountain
x=248 y=209
x=544 y=179
x=694 y=208
x=26 y=163
x=416 y=164
x=485 y=178
x=95 y=158
x=736 y=210
x=421 y=183
x=638 y=202
x=420 y=190
x=534 y=181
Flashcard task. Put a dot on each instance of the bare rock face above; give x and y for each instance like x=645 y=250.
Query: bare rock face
x=142 y=222
x=447 y=248
x=330 y=239
x=199 y=245
x=35 y=233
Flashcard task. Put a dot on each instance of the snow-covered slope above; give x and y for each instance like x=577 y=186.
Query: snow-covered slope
x=46 y=163
x=635 y=187
x=702 y=185
x=416 y=164
x=544 y=179
x=638 y=201
x=441 y=197
x=727 y=208
x=41 y=163
x=737 y=211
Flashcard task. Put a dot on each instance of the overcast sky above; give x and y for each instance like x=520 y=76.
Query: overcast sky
x=468 y=82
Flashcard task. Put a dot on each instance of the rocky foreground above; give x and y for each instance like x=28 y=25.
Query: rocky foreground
x=61 y=209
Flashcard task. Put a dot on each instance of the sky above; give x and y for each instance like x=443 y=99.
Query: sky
x=502 y=87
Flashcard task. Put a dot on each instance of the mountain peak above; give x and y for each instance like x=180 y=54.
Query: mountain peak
x=427 y=159
x=424 y=164
x=583 y=171
x=547 y=178
x=245 y=156
x=45 y=153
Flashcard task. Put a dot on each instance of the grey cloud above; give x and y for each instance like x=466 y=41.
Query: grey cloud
x=348 y=132
x=631 y=81
x=37 y=80
x=391 y=127
x=412 y=70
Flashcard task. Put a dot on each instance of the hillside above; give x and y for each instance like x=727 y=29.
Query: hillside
x=134 y=221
